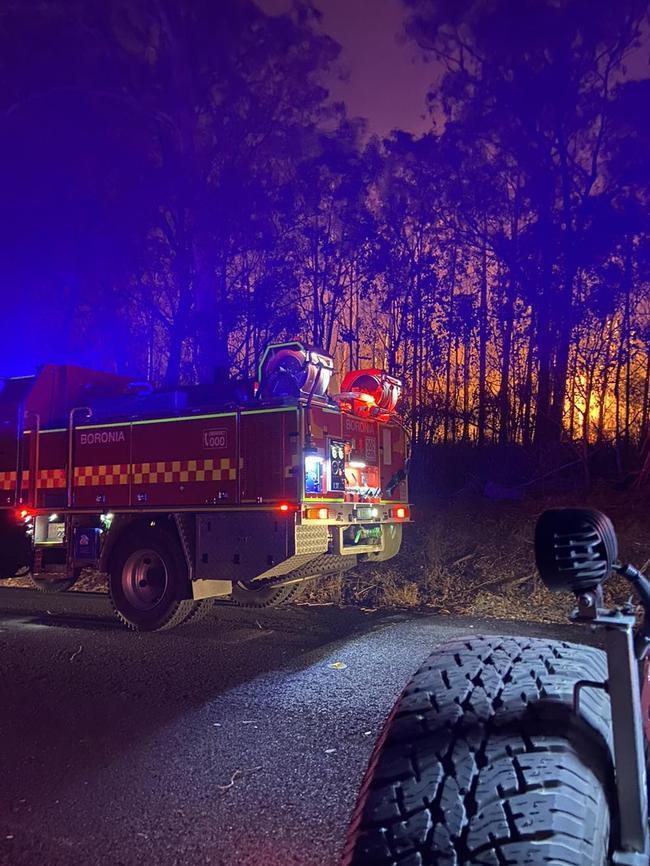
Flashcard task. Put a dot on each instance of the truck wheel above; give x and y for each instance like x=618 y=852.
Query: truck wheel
x=483 y=761
x=200 y=610
x=55 y=583
x=266 y=596
x=148 y=582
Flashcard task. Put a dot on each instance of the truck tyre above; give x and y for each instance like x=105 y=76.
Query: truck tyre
x=266 y=596
x=483 y=761
x=55 y=583
x=148 y=581
x=201 y=610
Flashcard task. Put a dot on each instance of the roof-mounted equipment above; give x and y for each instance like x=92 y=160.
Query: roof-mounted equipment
x=292 y=370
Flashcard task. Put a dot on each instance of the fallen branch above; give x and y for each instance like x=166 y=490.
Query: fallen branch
x=361 y=592
x=234 y=778
x=516 y=581
x=461 y=559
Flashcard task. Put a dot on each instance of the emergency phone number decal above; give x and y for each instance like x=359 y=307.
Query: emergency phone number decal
x=213 y=439
x=371 y=449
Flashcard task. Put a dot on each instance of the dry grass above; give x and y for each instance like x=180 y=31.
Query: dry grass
x=90 y=581
x=471 y=556
x=467 y=555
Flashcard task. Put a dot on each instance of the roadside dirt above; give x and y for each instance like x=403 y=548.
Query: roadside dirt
x=467 y=555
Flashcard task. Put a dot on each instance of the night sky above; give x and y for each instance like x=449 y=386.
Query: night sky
x=380 y=76
x=387 y=80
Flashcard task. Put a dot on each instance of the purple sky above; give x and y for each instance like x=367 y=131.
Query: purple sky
x=387 y=80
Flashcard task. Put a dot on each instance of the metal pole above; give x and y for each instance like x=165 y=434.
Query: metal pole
x=623 y=684
x=70 y=468
x=34 y=456
x=20 y=445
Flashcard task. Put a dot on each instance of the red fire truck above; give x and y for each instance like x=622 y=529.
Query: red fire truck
x=240 y=490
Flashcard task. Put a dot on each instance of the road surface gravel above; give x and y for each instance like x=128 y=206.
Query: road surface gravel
x=241 y=740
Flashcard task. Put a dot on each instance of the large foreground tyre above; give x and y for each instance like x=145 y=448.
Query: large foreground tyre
x=266 y=596
x=483 y=761
x=148 y=582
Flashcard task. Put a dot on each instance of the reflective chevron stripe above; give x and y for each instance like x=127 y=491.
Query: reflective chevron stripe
x=115 y=474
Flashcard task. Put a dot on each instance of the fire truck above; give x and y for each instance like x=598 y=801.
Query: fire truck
x=239 y=490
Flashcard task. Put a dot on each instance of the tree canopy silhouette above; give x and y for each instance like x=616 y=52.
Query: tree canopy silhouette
x=178 y=189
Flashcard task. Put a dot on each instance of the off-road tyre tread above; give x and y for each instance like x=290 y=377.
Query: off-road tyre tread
x=484 y=762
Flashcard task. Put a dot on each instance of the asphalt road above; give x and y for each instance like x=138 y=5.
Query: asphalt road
x=241 y=740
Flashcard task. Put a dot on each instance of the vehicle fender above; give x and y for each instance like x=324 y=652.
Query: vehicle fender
x=128 y=522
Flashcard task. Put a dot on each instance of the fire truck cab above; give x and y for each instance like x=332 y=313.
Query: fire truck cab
x=240 y=491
